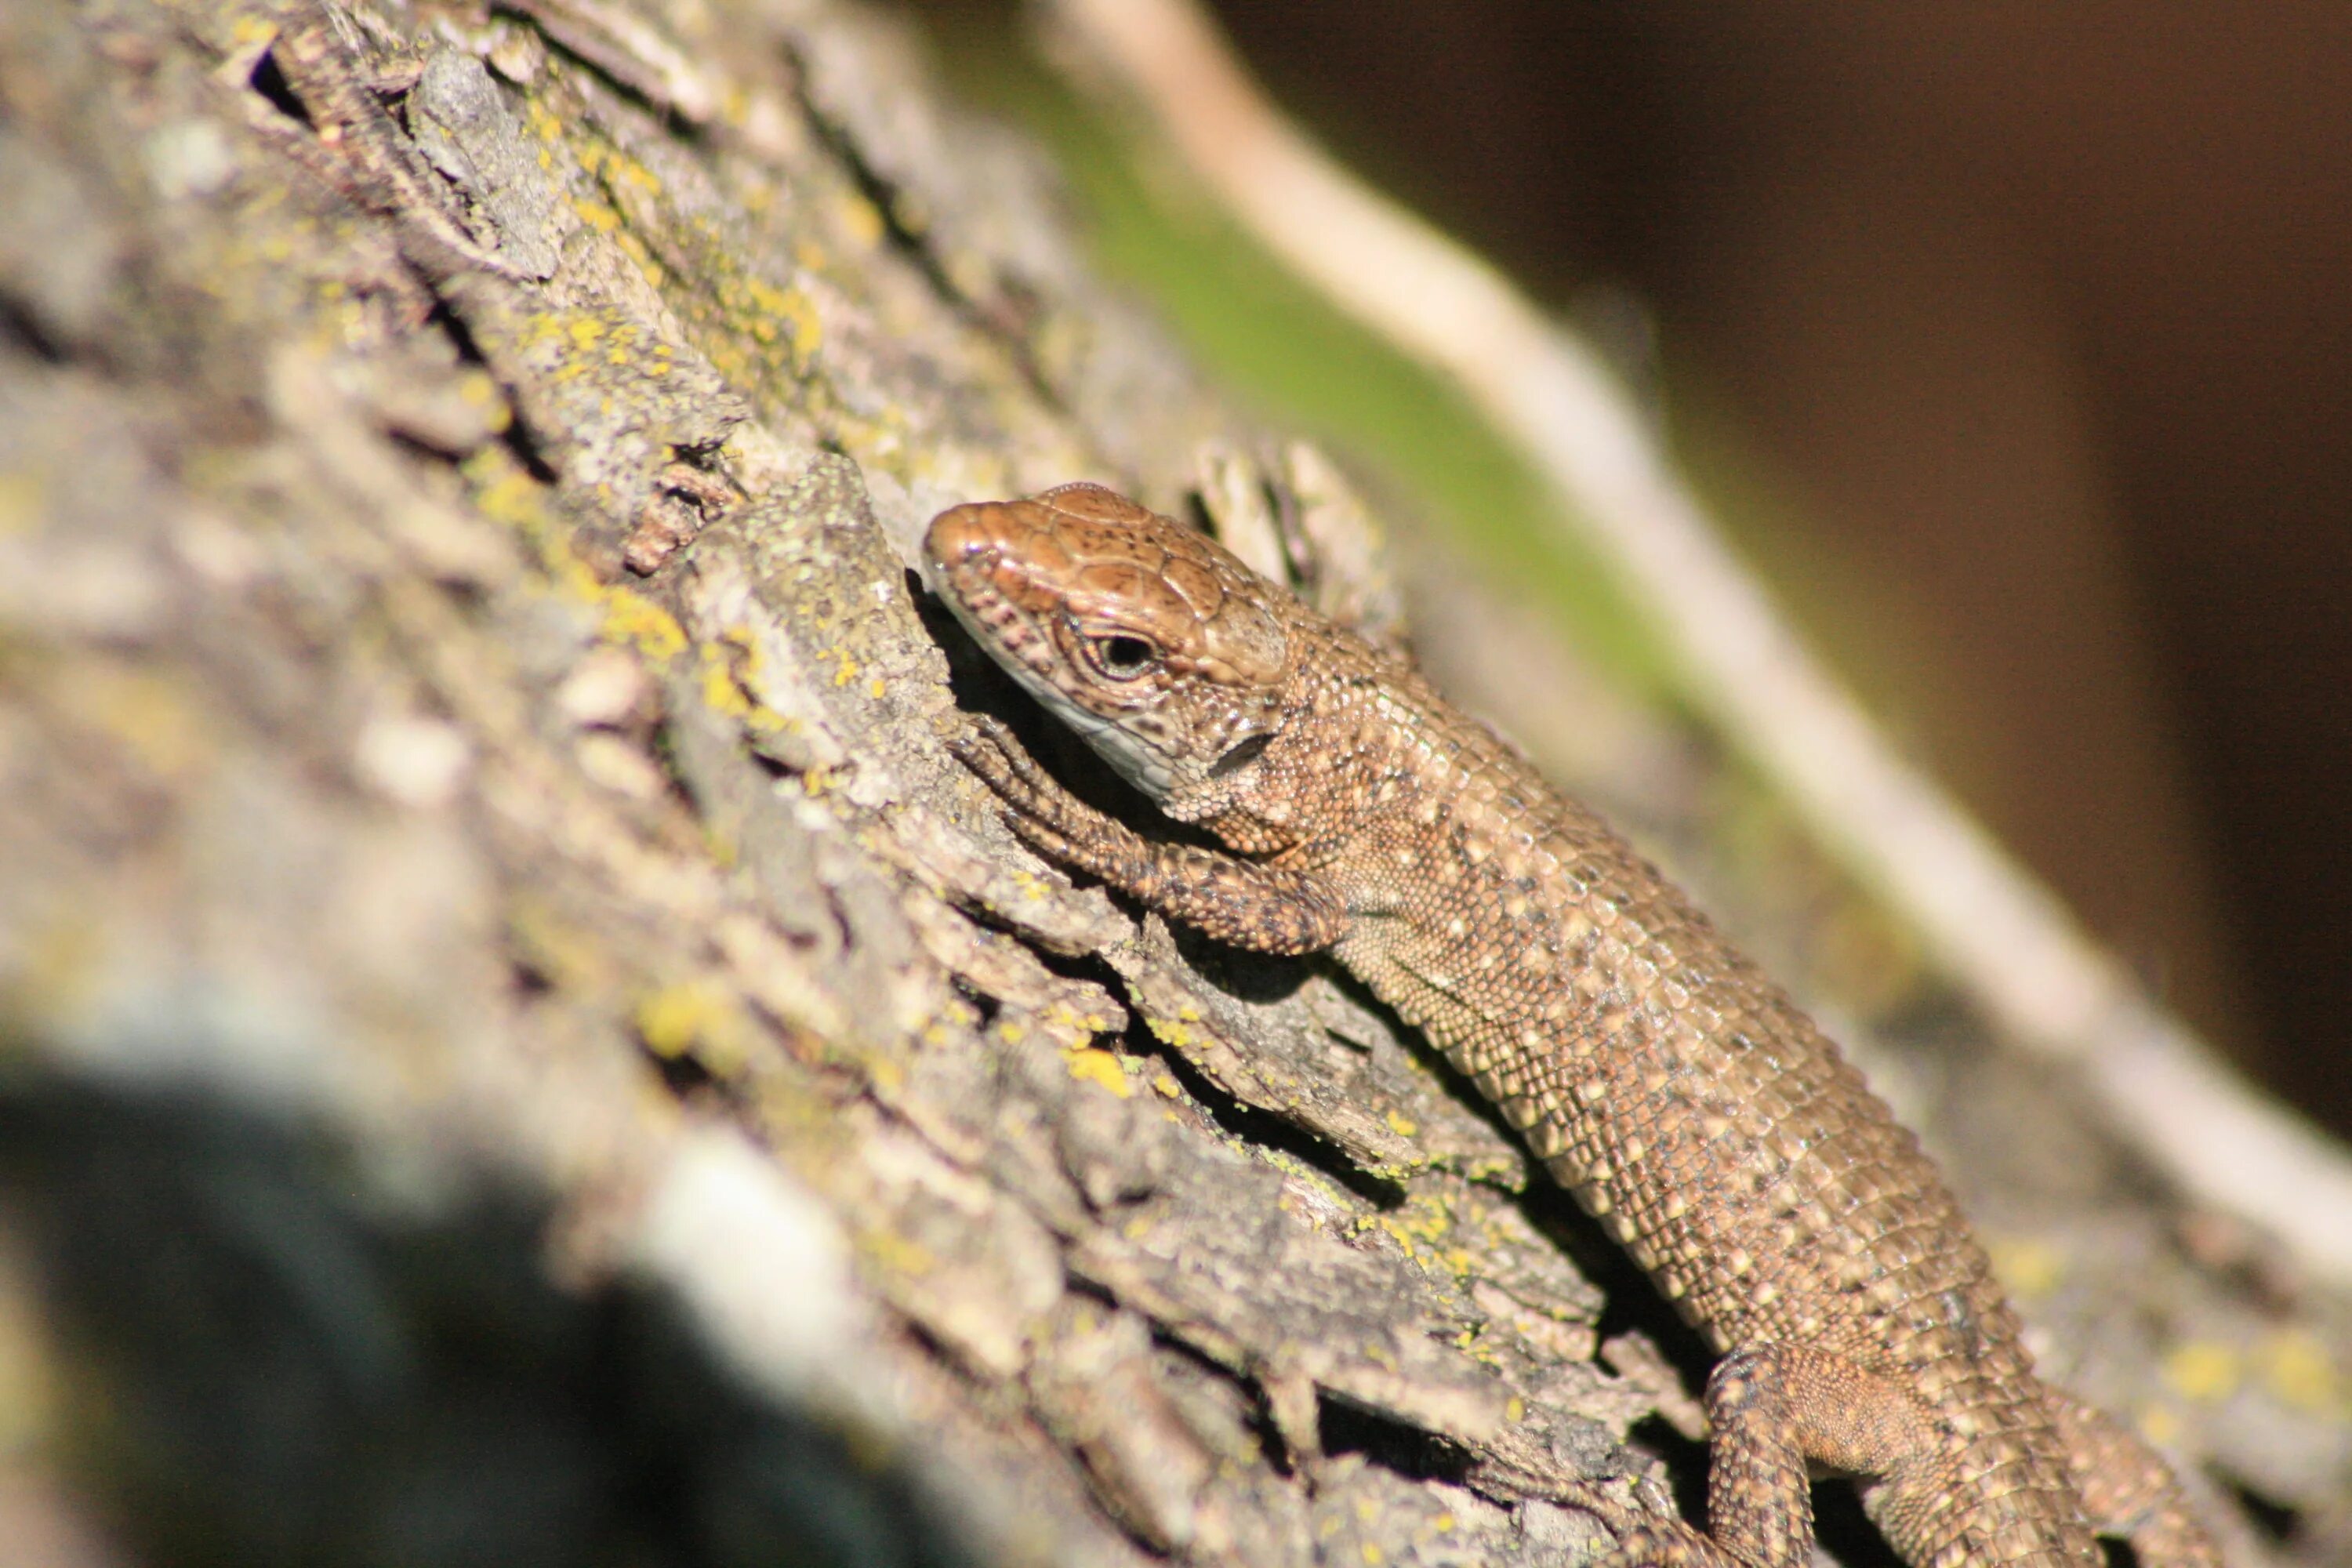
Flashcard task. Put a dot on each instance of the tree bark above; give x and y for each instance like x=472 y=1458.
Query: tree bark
x=517 y=1041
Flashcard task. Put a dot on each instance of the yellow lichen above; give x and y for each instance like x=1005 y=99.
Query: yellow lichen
x=699 y=1018
x=2032 y=1268
x=562 y=954
x=721 y=693
x=2161 y=1426
x=635 y=621
x=151 y=715
x=2203 y=1370
x=2297 y=1369
x=55 y=966
x=808 y=330
x=893 y=1254
x=863 y=220
x=596 y=214
x=1090 y=1064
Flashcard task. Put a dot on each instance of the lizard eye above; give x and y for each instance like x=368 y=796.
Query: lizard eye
x=1122 y=657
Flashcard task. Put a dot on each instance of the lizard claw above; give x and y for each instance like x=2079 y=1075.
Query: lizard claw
x=988 y=750
x=977 y=746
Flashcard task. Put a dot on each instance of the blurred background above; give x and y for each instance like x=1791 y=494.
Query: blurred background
x=2013 y=342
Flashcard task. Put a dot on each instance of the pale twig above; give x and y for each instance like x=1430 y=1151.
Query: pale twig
x=1987 y=923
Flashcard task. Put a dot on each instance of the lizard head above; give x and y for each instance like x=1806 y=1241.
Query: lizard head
x=1159 y=647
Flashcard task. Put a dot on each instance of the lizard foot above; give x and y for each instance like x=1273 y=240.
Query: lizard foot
x=1044 y=815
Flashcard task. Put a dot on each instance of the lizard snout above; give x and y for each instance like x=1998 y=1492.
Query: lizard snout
x=961 y=534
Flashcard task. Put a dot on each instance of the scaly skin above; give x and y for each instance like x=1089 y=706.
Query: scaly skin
x=1676 y=1091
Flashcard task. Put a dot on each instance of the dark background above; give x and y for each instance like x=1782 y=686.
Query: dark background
x=2014 y=343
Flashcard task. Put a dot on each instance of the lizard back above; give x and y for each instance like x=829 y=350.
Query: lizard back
x=1684 y=1098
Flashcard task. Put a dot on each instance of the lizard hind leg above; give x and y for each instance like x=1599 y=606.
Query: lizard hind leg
x=2130 y=1492
x=1778 y=1411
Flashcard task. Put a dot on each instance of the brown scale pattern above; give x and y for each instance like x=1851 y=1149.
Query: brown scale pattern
x=1679 y=1094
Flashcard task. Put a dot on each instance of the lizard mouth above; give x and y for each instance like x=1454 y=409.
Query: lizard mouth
x=986 y=590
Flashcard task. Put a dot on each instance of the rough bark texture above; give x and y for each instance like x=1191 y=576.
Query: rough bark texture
x=516 y=1041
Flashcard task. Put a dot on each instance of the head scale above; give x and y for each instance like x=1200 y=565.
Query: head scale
x=1159 y=647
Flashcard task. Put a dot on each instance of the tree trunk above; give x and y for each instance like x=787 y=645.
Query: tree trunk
x=517 y=1043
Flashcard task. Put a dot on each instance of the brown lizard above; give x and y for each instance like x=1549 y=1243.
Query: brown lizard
x=1682 y=1096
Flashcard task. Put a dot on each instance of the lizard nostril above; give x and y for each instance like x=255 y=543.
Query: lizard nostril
x=954 y=535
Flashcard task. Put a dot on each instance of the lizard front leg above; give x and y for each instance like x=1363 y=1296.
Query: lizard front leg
x=1247 y=903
